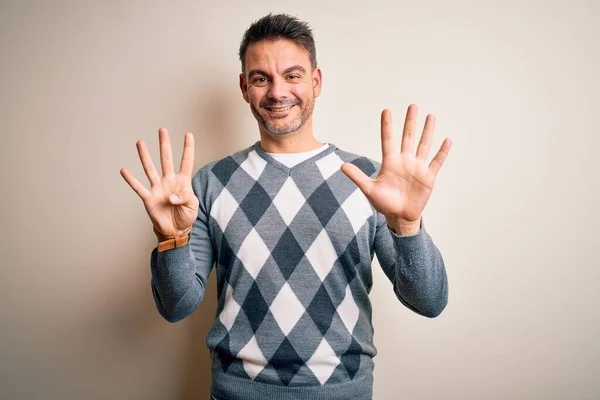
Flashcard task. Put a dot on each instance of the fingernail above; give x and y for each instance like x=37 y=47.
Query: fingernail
x=174 y=198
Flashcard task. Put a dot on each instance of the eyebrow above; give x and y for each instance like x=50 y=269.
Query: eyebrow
x=294 y=68
x=286 y=71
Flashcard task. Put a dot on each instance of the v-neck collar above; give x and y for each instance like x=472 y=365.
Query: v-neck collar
x=268 y=158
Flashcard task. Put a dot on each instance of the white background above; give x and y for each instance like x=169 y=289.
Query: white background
x=514 y=212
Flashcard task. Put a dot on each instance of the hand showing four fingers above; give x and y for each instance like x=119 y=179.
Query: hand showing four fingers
x=170 y=202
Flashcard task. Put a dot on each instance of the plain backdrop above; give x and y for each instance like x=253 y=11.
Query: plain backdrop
x=515 y=84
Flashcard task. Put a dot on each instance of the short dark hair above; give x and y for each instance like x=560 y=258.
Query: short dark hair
x=280 y=26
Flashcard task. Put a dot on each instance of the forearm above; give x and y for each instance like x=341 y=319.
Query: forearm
x=176 y=287
x=420 y=280
x=179 y=275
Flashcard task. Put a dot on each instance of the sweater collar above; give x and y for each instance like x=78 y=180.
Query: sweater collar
x=267 y=157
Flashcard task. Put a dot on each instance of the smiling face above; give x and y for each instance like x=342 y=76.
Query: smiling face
x=280 y=85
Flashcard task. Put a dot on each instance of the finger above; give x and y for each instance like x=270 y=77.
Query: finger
x=440 y=157
x=387 y=138
x=147 y=163
x=425 y=142
x=408 y=133
x=166 y=154
x=187 y=160
x=135 y=184
x=358 y=177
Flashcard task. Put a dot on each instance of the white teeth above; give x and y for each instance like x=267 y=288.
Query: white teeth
x=280 y=109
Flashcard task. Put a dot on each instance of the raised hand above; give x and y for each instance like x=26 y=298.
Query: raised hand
x=170 y=202
x=405 y=182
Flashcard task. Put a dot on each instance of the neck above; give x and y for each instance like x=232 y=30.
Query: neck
x=294 y=142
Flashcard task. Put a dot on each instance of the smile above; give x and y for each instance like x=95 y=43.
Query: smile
x=279 y=109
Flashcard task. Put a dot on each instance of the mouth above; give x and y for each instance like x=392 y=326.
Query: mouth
x=279 y=110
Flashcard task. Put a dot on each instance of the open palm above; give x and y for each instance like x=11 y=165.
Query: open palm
x=405 y=182
x=170 y=202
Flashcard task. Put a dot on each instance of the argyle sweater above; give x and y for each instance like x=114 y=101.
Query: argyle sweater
x=292 y=249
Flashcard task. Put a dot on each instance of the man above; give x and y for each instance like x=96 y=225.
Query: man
x=292 y=225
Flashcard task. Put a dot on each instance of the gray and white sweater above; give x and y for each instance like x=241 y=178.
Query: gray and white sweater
x=293 y=249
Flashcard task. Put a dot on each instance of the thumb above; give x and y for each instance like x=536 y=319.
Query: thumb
x=184 y=197
x=358 y=177
x=175 y=199
x=178 y=199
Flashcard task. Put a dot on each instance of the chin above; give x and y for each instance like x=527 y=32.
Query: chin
x=279 y=131
x=282 y=128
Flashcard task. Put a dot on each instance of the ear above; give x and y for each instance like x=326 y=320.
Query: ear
x=244 y=87
x=317 y=81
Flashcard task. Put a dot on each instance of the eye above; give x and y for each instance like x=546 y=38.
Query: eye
x=294 y=77
x=259 y=80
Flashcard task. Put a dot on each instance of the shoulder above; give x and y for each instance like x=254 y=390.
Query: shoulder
x=367 y=165
x=223 y=168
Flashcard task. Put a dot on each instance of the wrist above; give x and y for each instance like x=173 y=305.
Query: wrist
x=403 y=227
x=180 y=240
x=162 y=237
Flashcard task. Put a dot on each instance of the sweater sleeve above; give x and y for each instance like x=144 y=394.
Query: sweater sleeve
x=415 y=267
x=179 y=275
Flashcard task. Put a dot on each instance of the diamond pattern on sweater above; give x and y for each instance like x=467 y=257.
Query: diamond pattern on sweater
x=323 y=361
x=253 y=358
x=305 y=336
x=287 y=309
x=226 y=357
x=351 y=358
x=289 y=200
x=321 y=310
x=253 y=253
x=350 y=258
x=304 y=377
x=269 y=336
x=240 y=185
x=226 y=258
x=269 y=374
x=348 y=311
x=270 y=280
x=335 y=284
x=288 y=252
x=223 y=208
x=329 y=165
x=286 y=361
x=255 y=307
x=357 y=209
x=322 y=255
x=254 y=165
x=323 y=203
x=255 y=203
x=305 y=282
x=305 y=227
x=231 y=309
x=224 y=169
x=337 y=336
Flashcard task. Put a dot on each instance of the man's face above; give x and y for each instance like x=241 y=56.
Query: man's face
x=279 y=84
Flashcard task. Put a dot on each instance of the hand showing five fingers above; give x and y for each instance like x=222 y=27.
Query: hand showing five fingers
x=404 y=184
x=170 y=202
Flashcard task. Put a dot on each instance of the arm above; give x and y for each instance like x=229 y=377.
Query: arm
x=399 y=193
x=172 y=202
x=415 y=267
x=179 y=275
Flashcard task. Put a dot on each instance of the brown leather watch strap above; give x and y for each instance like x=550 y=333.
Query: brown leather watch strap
x=175 y=242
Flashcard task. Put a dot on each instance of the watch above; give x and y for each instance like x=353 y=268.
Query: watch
x=177 y=241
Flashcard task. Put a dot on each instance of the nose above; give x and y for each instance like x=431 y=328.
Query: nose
x=277 y=89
